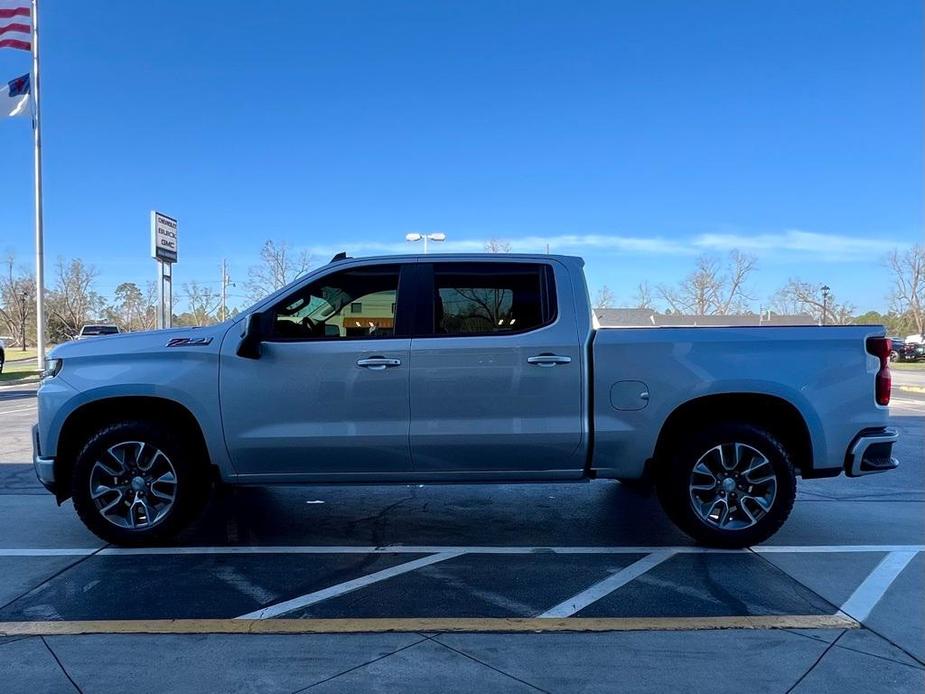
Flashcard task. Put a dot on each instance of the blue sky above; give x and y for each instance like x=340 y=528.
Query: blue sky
x=637 y=134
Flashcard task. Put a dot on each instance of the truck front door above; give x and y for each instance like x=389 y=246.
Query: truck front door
x=329 y=393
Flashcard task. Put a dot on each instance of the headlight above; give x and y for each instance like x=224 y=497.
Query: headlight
x=52 y=367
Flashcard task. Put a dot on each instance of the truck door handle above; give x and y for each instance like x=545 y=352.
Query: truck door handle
x=548 y=360
x=378 y=363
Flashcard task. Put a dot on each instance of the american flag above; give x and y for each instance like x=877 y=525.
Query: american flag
x=16 y=24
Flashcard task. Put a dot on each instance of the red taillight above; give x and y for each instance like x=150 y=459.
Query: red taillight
x=881 y=347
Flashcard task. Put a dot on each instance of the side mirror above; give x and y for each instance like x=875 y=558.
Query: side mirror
x=253 y=334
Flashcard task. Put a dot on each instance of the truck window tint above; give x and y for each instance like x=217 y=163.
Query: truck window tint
x=489 y=298
x=99 y=330
x=358 y=303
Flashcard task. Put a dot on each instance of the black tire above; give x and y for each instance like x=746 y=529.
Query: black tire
x=190 y=492
x=676 y=474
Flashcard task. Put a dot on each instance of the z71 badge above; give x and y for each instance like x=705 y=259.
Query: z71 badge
x=189 y=342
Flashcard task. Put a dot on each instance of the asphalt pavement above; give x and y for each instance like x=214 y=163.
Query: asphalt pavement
x=570 y=587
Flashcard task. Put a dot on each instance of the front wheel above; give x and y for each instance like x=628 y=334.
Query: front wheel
x=728 y=485
x=134 y=483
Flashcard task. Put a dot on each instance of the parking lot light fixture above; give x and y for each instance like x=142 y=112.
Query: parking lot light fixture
x=825 y=301
x=435 y=236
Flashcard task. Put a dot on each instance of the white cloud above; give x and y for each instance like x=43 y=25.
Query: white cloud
x=823 y=247
x=790 y=244
x=567 y=243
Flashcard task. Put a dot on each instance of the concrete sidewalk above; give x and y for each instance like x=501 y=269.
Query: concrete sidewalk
x=720 y=661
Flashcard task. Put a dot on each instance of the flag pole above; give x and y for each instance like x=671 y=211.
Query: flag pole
x=39 y=237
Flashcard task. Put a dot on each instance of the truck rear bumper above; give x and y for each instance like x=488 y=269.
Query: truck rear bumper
x=871 y=452
x=44 y=467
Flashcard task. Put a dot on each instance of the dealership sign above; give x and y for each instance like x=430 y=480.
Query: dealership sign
x=163 y=237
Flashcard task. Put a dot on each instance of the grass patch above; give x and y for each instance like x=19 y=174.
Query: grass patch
x=15 y=372
x=19 y=364
x=16 y=354
x=908 y=365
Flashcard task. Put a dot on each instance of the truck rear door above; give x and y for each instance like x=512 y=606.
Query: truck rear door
x=496 y=371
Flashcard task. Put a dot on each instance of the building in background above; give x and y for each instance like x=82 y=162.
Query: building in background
x=647 y=318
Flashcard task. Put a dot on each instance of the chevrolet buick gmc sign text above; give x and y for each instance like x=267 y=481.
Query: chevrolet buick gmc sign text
x=163 y=237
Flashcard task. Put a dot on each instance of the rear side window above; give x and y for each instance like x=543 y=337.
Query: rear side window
x=99 y=330
x=492 y=298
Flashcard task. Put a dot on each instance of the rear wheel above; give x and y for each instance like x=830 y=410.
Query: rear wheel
x=729 y=485
x=135 y=483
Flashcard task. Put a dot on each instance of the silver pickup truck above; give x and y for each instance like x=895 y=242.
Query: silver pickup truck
x=458 y=368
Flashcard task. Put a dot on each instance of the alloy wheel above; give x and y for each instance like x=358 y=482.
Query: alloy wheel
x=732 y=486
x=133 y=485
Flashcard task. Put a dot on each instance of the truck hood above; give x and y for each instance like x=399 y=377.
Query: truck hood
x=152 y=340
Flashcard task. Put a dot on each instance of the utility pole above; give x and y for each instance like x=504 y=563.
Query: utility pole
x=225 y=283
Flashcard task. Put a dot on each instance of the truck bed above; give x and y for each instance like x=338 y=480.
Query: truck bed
x=825 y=373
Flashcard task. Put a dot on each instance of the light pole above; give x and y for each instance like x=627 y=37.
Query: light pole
x=436 y=236
x=825 y=301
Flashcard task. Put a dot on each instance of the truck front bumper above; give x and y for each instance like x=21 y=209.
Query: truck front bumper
x=871 y=452
x=44 y=467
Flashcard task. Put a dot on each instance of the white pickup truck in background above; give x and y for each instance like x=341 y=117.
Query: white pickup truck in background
x=449 y=368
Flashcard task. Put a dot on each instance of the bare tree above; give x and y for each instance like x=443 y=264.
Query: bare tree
x=605 y=298
x=279 y=265
x=74 y=301
x=134 y=308
x=149 y=317
x=908 y=295
x=798 y=296
x=713 y=289
x=17 y=299
x=203 y=301
x=732 y=293
x=643 y=296
x=497 y=246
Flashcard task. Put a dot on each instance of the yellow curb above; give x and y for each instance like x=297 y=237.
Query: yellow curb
x=911 y=389
x=357 y=626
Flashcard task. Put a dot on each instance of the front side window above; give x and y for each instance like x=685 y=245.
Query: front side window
x=356 y=303
x=490 y=298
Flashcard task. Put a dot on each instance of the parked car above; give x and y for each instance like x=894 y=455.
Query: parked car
x=897 y=349
x=96 y=330
x=2 y=355
x=913 y=351
x=906 y=351
x=474 y=368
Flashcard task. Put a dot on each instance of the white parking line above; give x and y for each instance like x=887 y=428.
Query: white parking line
x=341 y=588
x=872 y=589
x=405 y=549
x=576 y=603
x=57 y=552
x=22 y=409
x=428 y=549
x=771 y=549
